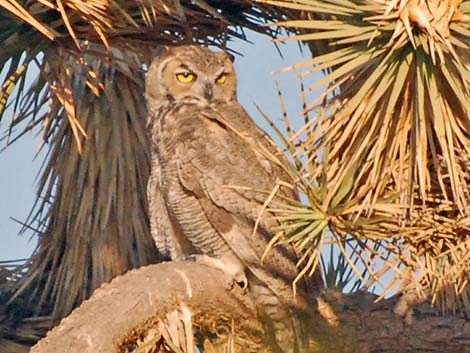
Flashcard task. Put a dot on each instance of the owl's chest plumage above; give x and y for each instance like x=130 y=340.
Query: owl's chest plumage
x=213 y=185
x=191 y=231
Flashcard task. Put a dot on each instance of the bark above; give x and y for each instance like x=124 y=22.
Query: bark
x=159 y=299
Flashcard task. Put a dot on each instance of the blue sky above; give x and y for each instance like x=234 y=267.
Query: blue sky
x=19 y=168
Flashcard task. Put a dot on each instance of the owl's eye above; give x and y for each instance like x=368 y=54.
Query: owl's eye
x=185 y=77
x=221 y=79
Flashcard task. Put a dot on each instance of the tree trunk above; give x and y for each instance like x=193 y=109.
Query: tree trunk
x=160 y=306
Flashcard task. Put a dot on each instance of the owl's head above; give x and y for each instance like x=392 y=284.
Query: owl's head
x=190 y=74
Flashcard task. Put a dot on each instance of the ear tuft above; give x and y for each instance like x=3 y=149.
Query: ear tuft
x=223 y=55
x=161 y=49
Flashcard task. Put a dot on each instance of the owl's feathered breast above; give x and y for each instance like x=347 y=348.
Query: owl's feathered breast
x=213 y=180
x=190 y=232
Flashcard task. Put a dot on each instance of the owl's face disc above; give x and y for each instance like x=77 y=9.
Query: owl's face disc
x=193 y=75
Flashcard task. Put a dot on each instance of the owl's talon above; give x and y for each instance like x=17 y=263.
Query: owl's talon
x=235 y=274
x=191 y=258
x=241 y=281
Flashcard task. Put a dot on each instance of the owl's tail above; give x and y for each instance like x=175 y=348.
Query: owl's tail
x=280 y=323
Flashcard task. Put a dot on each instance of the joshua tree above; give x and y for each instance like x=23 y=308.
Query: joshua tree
x=383 y=158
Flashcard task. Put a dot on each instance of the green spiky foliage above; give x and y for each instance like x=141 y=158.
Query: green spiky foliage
x=384 y=155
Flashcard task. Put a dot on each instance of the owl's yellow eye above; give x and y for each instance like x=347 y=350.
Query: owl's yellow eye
x=221 y=79
x=185 y=77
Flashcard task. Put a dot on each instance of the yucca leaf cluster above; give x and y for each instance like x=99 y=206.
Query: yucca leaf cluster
x=385 y=155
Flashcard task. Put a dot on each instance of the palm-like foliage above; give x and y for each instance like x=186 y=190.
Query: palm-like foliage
x=387 y=143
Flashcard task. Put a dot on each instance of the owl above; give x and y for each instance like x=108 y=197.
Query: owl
x=211 y=173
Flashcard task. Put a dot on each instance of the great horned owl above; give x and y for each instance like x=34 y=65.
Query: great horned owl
x=209 y=182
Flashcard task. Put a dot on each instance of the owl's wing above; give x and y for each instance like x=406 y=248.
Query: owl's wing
x=226 y=175
x=161 y=228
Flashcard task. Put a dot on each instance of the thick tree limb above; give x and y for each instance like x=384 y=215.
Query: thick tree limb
x=132 y=303
x=152 y=297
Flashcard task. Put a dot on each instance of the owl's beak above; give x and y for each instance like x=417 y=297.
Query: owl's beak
x=208 y=92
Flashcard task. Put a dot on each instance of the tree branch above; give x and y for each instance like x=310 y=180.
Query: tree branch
x=155 y=305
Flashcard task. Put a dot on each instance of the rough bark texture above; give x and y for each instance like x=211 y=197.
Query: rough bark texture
x=132 y=303
x=128 y=305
